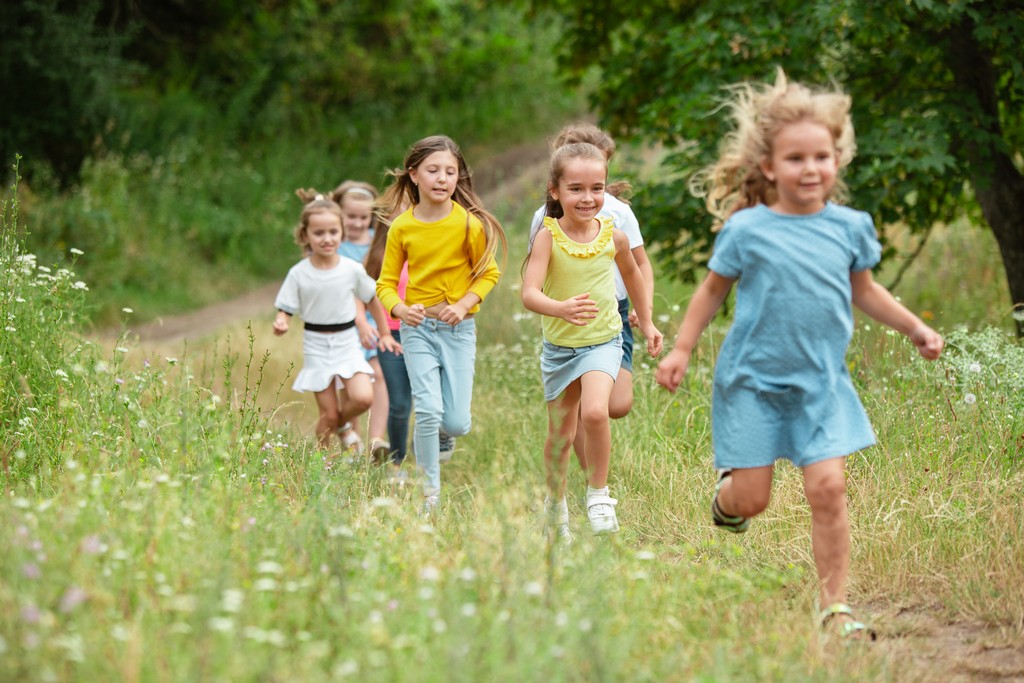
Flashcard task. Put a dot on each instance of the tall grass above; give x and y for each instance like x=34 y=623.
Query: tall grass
x=166 y=517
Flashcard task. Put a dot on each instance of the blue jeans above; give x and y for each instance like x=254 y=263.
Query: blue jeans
x=440 y=359
x=396 y=377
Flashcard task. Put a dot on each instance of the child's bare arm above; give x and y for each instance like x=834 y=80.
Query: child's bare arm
x=638 y=292
x=281 y=323
x=876 y=301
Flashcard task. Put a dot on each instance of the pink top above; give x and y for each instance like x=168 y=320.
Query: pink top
x=403 y=281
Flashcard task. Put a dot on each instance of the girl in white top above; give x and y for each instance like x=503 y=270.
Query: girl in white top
x=321 y=289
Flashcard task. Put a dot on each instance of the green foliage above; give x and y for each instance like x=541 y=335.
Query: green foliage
x=937 y=91
x=58 y=72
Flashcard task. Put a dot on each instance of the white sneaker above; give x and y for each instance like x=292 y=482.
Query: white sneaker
x=350 y=441
x=430 y=504
x=447 y=448
x=557 y=513
x=601 y=511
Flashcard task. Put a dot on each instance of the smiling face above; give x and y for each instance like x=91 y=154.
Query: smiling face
x=356 y=215
x=436 y=176
x=804 y=165
x=323 y=234
x=580 y=190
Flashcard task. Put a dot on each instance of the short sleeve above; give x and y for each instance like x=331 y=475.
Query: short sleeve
x=288 y=296
x=725 y=259
x=626 y=222
x=537 y=222
x=366 y=287
x=867 y=251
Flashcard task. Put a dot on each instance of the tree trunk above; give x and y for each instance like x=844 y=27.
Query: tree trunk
x=998 y=184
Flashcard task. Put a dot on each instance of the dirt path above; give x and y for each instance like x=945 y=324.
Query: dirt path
x=922 y=644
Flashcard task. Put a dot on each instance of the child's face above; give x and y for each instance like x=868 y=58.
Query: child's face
x=323 y=233
x=356 y=215
x=803 y=164
x=580 y=190
x=436 y=176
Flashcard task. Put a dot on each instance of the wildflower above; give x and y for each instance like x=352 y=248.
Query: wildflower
x=127 y=310
x=269 y=567
x=92 y=545
x=467 y=574
x=533 y=588
x=81 y=285
x=31 y=614
x=60 y=373
x=265 y=584
x=430 y=574
x=72 y=598
x=970 y=399
x=76 y=251
x=171 y=361
x=232 y=599
x=221 y=624
x=644 y=555
x=975 y=367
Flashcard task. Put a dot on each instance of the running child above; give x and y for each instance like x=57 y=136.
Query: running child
x=449 y=241
x=569 y=280
x=781 y=386
x=321 y=289
x=621 y=401
x=358 y=226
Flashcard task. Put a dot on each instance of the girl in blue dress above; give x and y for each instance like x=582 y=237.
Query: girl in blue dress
x=781 y=386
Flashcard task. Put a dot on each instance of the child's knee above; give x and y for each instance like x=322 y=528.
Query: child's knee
x=826 y=492
x=620 y=408
x=594 y=415
x=748 y=503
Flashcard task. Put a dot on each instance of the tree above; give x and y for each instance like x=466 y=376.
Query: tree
x=57 y=69
x=937 y=90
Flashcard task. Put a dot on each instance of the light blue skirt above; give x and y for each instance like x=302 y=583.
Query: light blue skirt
x=560 y=366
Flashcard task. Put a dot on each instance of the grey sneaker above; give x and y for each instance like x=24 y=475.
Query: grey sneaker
x=447 y=447
x=601 y=511
x=732 y=523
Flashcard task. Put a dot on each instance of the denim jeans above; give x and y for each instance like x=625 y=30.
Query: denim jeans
x=396 y=377
x=440 y=359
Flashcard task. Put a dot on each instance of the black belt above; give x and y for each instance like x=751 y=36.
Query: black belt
x=329 y=327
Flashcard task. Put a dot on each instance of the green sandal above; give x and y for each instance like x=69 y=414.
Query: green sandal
x=732 y=523
x=848 y=630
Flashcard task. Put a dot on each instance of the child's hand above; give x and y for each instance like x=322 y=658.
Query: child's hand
x=388 y=343
x=578 y=310
x=671 y=369
x=634 y=319
x=452 y=314
x=367 y=334
x=929 y=343
x=280 y=326
x=413 y=315
x=655 y=338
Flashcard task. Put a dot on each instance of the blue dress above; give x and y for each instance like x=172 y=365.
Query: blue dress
x=357 y=252
x=781 y=387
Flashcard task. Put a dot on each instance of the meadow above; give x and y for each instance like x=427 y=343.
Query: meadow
x=166 y=516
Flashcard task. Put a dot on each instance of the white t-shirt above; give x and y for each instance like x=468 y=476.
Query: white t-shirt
x=324 y=297
x=624 y=219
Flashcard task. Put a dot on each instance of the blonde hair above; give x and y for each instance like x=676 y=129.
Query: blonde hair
x=758 y=113
x=315 y=203
x=560 y=158
x=403 y=193
x=359 y=191
x=589 y=133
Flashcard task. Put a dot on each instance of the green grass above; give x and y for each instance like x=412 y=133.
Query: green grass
x=166 y=517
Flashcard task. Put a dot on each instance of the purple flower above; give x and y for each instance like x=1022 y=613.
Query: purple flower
x=72 y=598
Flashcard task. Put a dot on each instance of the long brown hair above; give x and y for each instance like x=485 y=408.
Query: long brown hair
x=403 y=193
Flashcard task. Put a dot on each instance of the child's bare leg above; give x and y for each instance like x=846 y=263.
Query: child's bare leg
x=359 y=397
x=825 y=488
x=619 y=405
x=562 y=422
x=342 y=403
x=379 y=407
x=327 y=424
x=596 y=388
x=746 y=491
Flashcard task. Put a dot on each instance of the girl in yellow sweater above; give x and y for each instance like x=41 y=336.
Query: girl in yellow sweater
x=569 y=280
x=449 y=241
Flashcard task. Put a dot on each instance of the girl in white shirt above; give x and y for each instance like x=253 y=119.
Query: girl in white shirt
x=321 y=289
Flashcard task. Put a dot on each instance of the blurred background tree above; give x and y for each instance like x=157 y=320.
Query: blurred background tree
x=937 y=90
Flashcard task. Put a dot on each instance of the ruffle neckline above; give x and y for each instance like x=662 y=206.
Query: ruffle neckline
x=591 y=248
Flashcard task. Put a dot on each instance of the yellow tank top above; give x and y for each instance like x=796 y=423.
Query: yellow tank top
x=573 y=269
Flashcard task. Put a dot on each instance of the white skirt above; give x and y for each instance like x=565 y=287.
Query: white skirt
x=328 y=356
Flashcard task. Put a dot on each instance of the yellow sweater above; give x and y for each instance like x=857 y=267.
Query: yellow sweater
x=573 y=269
x=439 y=256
